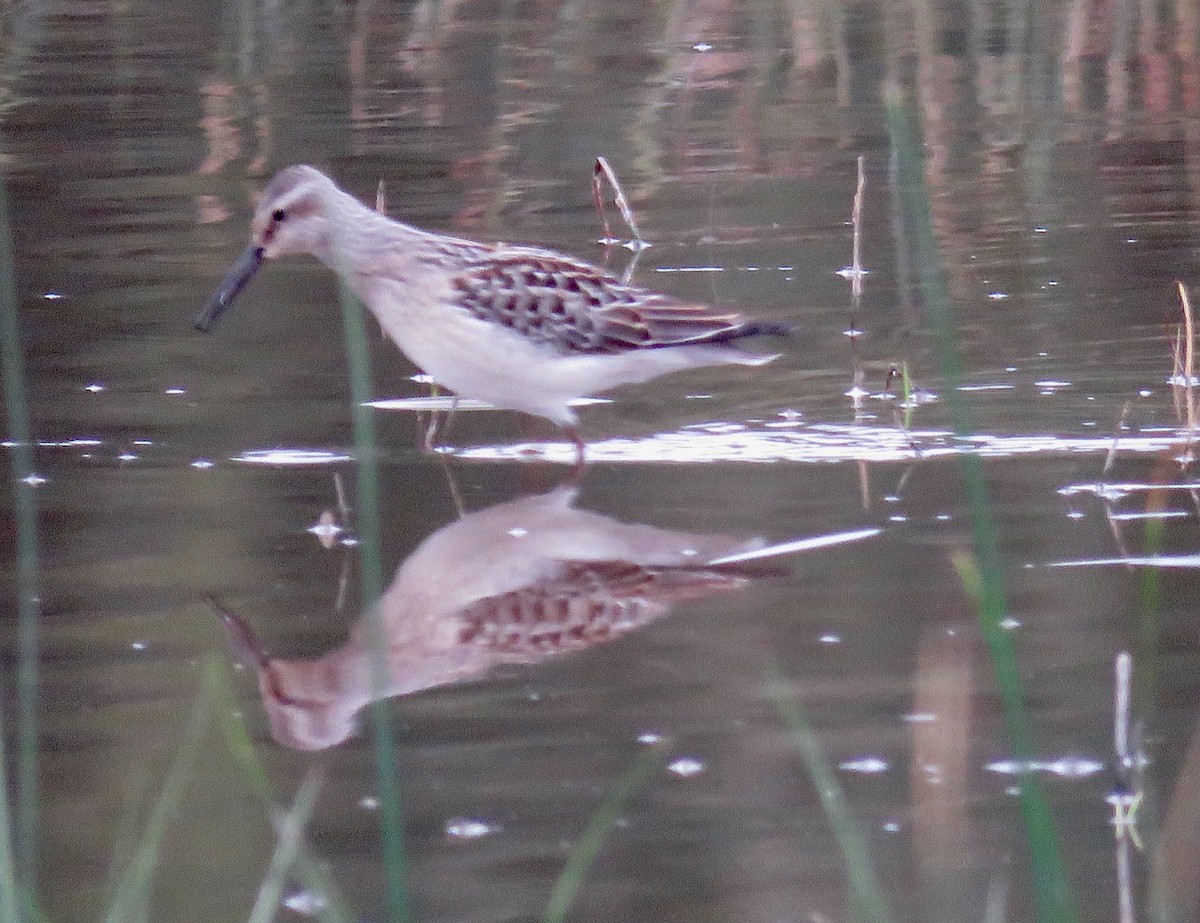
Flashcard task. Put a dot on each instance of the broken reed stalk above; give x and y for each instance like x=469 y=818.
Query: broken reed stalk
x=343 y=505
x=1114 y=526
x=1116 y=438
x=1189 y=359
x=605 y=171
x=856 y=220
x=1177 y=371
x=607 y=237
x=1122 y=676
x=856 y=287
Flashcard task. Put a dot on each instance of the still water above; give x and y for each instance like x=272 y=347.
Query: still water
x=910 y=717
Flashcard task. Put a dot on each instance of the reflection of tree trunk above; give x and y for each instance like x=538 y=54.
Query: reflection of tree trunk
x=1187 y=51
x=811 y=32
x=949 y=106
x=21 y=35
x=356 y=61
x=1073 y=50
x=769 y=867
x=1175 y=884
x=939 y=772
x=1117 y=66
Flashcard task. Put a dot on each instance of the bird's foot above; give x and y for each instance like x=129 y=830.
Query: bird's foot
x=580 y=464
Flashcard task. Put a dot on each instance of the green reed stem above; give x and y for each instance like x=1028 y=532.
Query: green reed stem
x=1054 y=900
x=10 y=898
x=314 y=876
x=125 y=842
x=906 y=391
x=367 y=455
x=1162 y=906
x=289 y=840
x=594 y=835
x=131 y=899
x=867 y=899
x=22 y=850
x=1149 y=622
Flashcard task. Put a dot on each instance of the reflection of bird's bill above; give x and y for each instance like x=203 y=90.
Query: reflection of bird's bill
x=247 y=647
x=239 y=274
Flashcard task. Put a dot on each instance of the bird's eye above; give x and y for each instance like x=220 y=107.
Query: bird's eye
x=278 y=215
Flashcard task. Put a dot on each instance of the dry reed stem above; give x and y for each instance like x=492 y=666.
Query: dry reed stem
x=856 y=273
x=343 y=587
x=856 y=220
x=1189 y=359
x=603 y=169
x=343 y=505
x=607 y=237
x=1189 y=327
x=1114 y=526
x=1116 y=530
x=1122 y=680
x=1177 y=371
x=1116 y=438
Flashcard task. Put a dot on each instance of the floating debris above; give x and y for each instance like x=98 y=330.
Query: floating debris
x=866 y=765
x=469 y=828
x=686 y=766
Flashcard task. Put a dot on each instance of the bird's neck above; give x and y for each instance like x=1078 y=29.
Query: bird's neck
x=362 y=240
x=358 y=235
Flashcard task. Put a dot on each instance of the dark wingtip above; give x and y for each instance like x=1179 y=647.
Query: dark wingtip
x=767 y=329
x=751 y=328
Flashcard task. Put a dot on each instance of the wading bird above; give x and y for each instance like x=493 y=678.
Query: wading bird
x=516 y=327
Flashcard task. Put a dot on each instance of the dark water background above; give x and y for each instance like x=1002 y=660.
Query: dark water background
x=1057 y=151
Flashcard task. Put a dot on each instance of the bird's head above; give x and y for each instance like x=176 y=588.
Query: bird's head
x=291 y=217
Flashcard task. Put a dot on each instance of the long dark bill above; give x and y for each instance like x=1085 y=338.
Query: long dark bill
x=239 y=274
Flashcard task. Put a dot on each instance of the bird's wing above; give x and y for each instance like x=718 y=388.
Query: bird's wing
x=584 y=604
x=578 y=308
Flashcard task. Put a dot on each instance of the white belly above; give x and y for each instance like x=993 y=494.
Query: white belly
x=489 y=362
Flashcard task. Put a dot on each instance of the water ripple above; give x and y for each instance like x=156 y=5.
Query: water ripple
x=292 y=458
x=730 y=442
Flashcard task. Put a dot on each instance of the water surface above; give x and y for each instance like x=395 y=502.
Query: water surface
x=842 y=733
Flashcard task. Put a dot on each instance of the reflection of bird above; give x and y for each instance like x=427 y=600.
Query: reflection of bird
x=517 y=327
x=515 y=583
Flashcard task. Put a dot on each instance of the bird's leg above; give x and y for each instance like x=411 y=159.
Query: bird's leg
x=431 y=429
x=449 y=418
x=580 y=451
x=455 y=495
x=437 y=429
